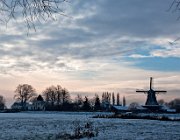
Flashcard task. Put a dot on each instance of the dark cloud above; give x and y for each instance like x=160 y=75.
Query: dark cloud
x=99 y=29
x=137 y=18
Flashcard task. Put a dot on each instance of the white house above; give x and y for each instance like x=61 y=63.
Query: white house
x=18 y=106
x=38 y=104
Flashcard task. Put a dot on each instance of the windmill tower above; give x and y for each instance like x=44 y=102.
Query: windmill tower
x=151 y=102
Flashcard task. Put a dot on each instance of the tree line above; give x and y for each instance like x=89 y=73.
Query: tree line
x=57 y=98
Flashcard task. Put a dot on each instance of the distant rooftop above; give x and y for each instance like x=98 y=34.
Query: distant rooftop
x=40 y=98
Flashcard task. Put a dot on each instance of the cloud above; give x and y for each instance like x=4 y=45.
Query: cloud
x=174 y=51
x=138 y=56
x=95 y=31
x=129 y=18
x=101 y=46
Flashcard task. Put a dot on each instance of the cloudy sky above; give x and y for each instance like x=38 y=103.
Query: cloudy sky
x=102 y=45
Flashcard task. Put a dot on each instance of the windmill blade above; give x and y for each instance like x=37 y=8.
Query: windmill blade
x=150 y=82
x=144 y=91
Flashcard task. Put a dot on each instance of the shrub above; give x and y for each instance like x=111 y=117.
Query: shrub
x=86 y=130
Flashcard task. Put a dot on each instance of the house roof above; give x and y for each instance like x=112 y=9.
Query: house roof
x=40 y=98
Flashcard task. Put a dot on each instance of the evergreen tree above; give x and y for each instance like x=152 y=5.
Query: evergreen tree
x=97 y=105
x=113 y=99
x=118 y=99
x=86 y=104
x=109 y=97
x=124 y=101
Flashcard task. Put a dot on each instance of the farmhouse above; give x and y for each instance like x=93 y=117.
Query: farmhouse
x=38 y=104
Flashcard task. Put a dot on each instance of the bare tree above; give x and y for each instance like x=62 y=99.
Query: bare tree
x=24 y=93
x=2 y=102
x=175 y=6
x=30 y=10
x=50 y=95
x=175 y=104
x=37 y=10
x=161 y=102
x=79 y=100
x=58 y=94
x=106 y=98
x=65 y=96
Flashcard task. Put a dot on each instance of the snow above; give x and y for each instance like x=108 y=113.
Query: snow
x=46 y=125
x=170 y=116
x=123 y=108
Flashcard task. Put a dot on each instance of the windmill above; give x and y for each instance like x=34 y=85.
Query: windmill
x=151 y=102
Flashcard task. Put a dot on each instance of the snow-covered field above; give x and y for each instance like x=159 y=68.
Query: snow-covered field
x=47 y=125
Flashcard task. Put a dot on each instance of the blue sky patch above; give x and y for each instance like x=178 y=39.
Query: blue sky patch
x=157 y=63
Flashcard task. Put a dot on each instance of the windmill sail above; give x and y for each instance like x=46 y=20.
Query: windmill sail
x=151 y=95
